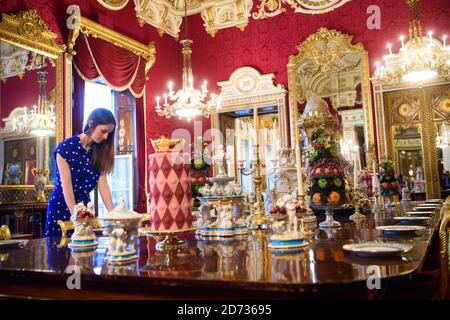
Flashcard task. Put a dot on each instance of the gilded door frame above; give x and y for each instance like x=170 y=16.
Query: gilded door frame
x=427 y=125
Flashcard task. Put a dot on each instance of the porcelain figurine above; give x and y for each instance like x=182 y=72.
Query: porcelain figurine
x=205 y=190
x=228 y=189
x=83 y=237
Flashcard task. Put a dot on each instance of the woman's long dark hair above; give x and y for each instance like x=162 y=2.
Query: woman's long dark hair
x=102 y=153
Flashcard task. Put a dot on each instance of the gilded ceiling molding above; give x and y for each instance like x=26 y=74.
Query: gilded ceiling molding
x=27 y=30
x=158 y=14
x=113 y=4
x=96 y=30
x=272 y=8
x=167 y=15
x=315 y=6
x=233 y=14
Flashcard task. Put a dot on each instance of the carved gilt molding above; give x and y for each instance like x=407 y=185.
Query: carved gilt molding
x=166 y=16
x=27 y=30
x=113 y=4
x=272 y=8
x=96 y=30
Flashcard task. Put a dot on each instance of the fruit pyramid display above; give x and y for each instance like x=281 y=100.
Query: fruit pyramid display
x=388 y=183
x=326 y=172
x=200 y=167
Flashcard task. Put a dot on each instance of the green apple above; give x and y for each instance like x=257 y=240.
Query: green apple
x=337 y=182
x=322 y=183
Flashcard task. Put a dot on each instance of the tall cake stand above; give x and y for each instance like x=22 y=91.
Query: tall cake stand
x=329 y=213
x=167 y=239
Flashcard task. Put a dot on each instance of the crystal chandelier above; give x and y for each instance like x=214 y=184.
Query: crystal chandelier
x=41 y=121
x=188 y=102
x=420 y=60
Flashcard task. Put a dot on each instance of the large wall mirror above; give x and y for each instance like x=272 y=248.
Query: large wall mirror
x=30 y=99
x=330 y=66
x=252 y=113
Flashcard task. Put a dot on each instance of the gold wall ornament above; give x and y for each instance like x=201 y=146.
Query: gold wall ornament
x=96 y=30
x=274 y=8
x=315 y=6
x=113 y=4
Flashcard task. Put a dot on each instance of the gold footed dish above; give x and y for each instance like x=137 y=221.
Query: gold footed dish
x=167 y=239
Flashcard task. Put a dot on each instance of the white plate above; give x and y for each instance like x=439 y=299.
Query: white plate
x=8 y=244
x=433 y=201
x=371 y=249
x=400 y=229
x=412 y=218
x=431 y=205
x=423 y=213
x=425 y=208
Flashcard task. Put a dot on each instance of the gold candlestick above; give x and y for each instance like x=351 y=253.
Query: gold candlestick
x=258 y=219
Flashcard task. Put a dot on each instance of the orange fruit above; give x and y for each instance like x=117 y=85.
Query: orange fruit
x=394 y=184
x=334 y=197
x=385 y=185
x=316 y=198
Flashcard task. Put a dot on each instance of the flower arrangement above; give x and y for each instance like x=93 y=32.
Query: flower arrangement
x=388 y=182
x=325 y=171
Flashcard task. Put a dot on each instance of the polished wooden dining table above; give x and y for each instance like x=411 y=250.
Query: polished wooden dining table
x=224 y=269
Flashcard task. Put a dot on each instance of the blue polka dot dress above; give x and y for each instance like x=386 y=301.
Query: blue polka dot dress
x=84 y=179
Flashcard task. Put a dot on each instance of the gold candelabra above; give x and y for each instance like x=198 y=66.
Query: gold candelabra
x=258 y=219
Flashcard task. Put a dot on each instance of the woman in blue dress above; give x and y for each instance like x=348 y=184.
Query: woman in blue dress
x=83 y=162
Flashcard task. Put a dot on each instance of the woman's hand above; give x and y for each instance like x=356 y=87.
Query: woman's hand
x=105 y=192
x=66 y=181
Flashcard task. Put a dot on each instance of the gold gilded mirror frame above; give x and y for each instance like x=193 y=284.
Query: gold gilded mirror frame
x=27 y=30
x=344 y=43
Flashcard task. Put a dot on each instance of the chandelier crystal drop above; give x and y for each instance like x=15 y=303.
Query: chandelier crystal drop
x=187 y=102
x=421 y=59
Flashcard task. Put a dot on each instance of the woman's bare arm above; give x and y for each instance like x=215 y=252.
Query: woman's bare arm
x=105 y=192
x=66 y=181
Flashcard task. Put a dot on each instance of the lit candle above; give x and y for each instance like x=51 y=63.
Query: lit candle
x=430 y=34
x=204 y=87
x=165 y=100
x=25 y=115
x=402 y=39
x=170 y=88
x=390 y=48
x=444 y=40
x=157 y=103
x=378 y=67
x=374 y=176
x=51 y=109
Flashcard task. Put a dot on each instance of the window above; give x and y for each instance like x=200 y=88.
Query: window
x=123 y=105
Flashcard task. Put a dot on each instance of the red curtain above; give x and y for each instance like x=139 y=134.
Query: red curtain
x=78 y=104
x=120 y=68
x=141 y=155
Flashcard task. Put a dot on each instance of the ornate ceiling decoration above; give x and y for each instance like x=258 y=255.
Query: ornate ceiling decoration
x=271 y=8
x=114 y=4
x=166 y=15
